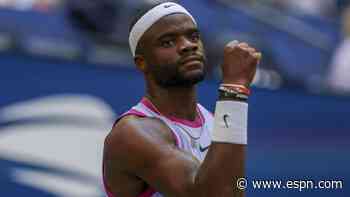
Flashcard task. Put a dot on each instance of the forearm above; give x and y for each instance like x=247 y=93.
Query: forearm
x=224 y=163
x=218 y=174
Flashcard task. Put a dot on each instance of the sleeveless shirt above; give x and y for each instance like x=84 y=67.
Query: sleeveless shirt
x=190 y=136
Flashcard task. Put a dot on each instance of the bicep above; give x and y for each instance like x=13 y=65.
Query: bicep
x=147 y=154
x=171 y=172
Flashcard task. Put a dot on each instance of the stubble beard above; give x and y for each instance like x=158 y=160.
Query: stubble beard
x=169 y=76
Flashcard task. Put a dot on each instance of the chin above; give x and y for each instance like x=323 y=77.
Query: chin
x=194 y=74
x=195 y=77
x=185 y=81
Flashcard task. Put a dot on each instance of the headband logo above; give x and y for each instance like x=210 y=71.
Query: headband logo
x=168 y=6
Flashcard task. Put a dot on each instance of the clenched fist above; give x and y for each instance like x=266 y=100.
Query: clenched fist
x=240 y=62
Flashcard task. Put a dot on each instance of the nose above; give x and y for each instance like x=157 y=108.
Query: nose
x=187 y=45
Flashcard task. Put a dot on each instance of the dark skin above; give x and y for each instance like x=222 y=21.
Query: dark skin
x=141 y=152
x=172 y=46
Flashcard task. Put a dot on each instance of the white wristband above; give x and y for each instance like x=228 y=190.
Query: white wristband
x=230 y=124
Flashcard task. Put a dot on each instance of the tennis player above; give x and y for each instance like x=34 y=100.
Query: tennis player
x=168 y=144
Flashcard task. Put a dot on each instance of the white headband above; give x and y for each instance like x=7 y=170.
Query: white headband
x=152 y=16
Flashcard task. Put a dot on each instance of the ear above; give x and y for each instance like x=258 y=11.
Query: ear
x=140 y=63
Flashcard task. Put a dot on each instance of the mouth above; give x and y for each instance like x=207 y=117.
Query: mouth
x=192 y=59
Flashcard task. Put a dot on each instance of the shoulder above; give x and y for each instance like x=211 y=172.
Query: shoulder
x=205 y=111
x=133 y=134
x=135 y=126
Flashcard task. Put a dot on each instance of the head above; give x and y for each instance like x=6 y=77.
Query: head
x=169 y=51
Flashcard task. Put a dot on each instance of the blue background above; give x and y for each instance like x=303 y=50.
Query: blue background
x=292 y=135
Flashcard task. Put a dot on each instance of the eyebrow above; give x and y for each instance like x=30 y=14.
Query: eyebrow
x=172 y=33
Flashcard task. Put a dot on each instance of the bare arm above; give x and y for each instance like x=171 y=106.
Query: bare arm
x=153 y=156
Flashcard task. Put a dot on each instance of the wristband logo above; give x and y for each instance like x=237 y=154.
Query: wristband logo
x=225 y=117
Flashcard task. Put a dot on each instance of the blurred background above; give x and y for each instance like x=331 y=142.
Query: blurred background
x=67 y=73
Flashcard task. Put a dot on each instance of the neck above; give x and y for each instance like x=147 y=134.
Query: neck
x=179 y=102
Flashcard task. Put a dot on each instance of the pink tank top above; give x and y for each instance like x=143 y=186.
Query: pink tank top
x=191 y=136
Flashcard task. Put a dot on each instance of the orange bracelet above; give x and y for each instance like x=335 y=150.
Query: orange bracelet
x=238 y=88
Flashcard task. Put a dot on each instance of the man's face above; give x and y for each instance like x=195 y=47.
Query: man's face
x=174 y=52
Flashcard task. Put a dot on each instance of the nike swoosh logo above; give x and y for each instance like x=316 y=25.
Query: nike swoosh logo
x=203 y=149
x=168 y=6
x=225 y=119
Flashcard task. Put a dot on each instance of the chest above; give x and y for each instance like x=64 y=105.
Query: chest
x=194 y=140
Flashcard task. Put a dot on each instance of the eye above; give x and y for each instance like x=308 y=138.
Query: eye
x=195 y=36
x=167 y=43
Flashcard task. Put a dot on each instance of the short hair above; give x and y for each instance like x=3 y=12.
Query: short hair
x=142 y=11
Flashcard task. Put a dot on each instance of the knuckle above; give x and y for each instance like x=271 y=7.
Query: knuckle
x=228 y=49
x=243 y=44
x=252 y=49
x=232 y=44
x=245 y=51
